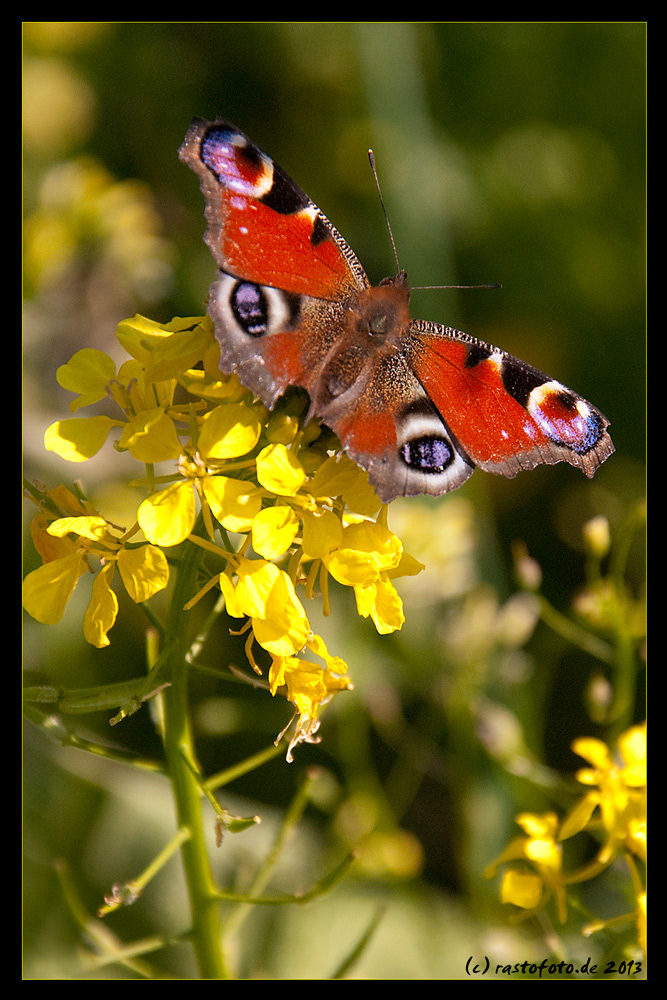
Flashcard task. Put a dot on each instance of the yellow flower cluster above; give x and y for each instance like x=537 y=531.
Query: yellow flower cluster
x=301 y=514
x=615 y=805
x=618 y=790
x=67 y=533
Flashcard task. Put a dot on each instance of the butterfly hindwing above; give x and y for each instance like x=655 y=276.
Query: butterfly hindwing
x=272 y=338
x=399 y=437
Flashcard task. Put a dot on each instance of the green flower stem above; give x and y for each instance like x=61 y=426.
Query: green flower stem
x=245 y=767
x=132 y=890
x=263 y=876
x=53 y=726
x=182 y=769
x=574 y=633
x=107 y=949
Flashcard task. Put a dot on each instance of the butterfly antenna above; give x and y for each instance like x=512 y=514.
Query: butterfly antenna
x=422 y=288
x=371 y=158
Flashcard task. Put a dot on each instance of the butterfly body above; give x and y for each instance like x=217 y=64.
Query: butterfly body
x=416 y=404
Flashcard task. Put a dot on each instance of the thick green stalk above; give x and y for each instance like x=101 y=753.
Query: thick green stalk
x=181 y=768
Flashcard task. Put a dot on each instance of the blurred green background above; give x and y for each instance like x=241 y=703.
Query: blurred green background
x=508 y=152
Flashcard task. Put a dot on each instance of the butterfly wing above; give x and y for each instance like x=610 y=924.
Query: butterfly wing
x=261 y=226
x=421 y=417
x=273 y=339
x=390 y=427
x=507 y=415
x=285 y=272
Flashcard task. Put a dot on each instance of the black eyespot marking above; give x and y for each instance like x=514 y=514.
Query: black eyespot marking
x=250 y=308
x=257 y=310
x=215 y=151
x=567 y=400
x=428 y=454
x=250 y=153
x=293 y=305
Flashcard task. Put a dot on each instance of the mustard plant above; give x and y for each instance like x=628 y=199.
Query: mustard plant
x=543 y=872
x=230 y=499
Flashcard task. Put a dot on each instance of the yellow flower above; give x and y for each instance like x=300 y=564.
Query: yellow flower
x=67 y=545
x=273 y=531
x=168 y=516
x=248 y=472
x=530 y=889
x=366 y=551
x=524 y=889
x=228 y=431
x=355 y=551
x=88 y=373
x=367 y=557
x=167 y=350
x=309 y=686
x=266 y=595
x=338 y=476
x=381 y=601
x=143 y=389
x=277 y=622
x=618 y=789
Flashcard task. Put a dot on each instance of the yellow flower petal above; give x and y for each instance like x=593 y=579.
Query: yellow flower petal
x=594 y=751
x=281 y=635
x=88 y=373
x=140 y=336
x=579 y=816
x=322 y=533
x=317 y=645
x=544 y=852
x=229 y=431
x=101 y=613
x=232 y=603
x=366 y=550
x=521 y=889
x=538 y=825
x=226 y=389
x=92 y=527
x=80 y=438
x=339 y=476
x=151 y=437
x=273 y=531
x=176 y=353
x=165 y=351
x=47 y=589
x=234 y=503
x=632 y=745
x=282 y=428
x=279 y=470
x=383 y=604
x=144 y=571
x=267 y=595
x=168 y=517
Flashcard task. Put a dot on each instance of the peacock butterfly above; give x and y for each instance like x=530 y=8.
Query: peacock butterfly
x=416 y=404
